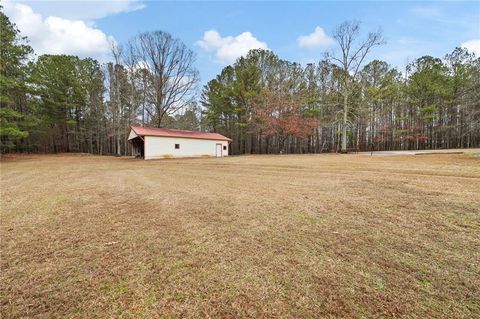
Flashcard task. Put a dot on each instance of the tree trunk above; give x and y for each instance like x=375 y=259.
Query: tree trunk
x=344 y=129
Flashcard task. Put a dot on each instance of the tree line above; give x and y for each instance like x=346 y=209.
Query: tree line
x=61 y=103
x=270 y=105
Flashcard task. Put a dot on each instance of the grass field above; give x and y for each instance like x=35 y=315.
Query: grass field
x=252 y=236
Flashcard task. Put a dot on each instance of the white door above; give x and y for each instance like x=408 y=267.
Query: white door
x=219 y=150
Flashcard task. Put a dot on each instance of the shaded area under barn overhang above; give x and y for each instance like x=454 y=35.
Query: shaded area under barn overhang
x=138 y=146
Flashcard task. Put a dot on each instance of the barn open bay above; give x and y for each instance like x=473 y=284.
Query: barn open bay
x=250 y=236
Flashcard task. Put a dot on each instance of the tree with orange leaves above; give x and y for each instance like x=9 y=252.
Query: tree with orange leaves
x=282 y=115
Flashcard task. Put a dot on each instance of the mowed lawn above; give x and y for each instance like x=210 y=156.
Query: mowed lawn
x=293 y=236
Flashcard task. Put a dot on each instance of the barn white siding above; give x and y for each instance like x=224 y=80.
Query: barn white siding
x=164 y=147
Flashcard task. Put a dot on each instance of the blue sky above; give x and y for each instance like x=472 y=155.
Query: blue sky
x=411 y=29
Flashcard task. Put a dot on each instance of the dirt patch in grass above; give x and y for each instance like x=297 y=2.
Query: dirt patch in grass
x=251 y=236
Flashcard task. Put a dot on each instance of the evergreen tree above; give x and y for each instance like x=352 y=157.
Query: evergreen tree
x=14 y=109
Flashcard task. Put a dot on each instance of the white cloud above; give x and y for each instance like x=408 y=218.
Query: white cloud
x=84 y=10
x=55 y=35
x=228 y=49
x=472 y=46
x=317 y=38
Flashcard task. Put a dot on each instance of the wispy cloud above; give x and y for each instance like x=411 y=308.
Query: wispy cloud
x=427 y=11
x=85 y=10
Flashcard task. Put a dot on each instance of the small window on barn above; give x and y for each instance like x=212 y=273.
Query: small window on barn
x=177 y=146
x=224 y=147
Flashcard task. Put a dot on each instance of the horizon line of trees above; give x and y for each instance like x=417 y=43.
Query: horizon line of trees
x=342 y=103
x=62 y=103
x=267 y=105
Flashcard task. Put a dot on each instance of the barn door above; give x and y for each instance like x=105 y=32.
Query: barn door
x=219 y=150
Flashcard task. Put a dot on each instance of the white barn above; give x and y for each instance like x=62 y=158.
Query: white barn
x=155 y=143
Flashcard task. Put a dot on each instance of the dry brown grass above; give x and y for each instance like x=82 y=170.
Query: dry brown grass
x=254 y=236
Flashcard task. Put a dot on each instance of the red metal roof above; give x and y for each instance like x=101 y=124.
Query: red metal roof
x=166 y=132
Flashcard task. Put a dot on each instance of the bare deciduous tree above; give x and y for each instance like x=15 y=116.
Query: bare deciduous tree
x=350 y=59
x=173 y=77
